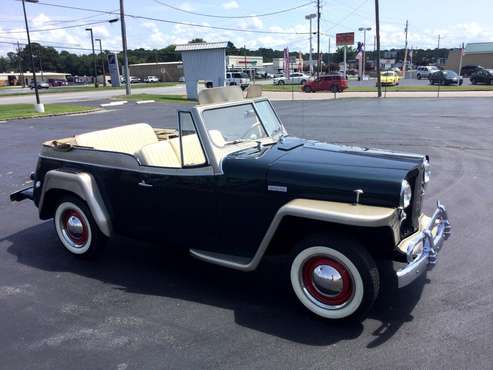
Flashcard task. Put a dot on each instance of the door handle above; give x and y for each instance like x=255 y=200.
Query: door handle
x=144 y=184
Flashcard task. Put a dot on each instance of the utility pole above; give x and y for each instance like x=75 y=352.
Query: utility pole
x=460 y=59
x=124 y=46
x=102 y=62
x=319 y=61
x=21 y=72
x=94 y=59
x=405 y=53
x=310 y=17
x=377 y=24
x=328 y=57
x=38 y=107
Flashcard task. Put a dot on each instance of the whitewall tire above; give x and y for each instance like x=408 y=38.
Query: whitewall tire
x=76 y=228
x=333 y=279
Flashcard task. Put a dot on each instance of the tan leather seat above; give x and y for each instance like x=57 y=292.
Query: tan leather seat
x=159 y=154
x=192 y=150
x=126 y=139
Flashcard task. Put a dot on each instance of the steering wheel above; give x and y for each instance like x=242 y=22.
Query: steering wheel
x=250 y=132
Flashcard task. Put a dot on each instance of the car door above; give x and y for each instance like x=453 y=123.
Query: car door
x=173 y=205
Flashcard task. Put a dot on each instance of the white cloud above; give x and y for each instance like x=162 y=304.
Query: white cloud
x=231 y=5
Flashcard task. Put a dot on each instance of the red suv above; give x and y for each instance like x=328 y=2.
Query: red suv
x=334 y=83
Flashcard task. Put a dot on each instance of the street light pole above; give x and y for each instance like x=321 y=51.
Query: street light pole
x=364 y=29
x=39 y=107
x=94 y=59
x=377 y=24
x=124 y=47
x=319 y=61
x=310 y=17
x=102 y=62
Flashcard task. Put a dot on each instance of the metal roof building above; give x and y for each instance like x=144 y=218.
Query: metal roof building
x=203 y=62
x=476 y=53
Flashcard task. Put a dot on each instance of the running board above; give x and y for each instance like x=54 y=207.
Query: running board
x=221 y=259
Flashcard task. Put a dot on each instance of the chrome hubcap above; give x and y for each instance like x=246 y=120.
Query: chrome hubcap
x=75 y=226
x=327 y=280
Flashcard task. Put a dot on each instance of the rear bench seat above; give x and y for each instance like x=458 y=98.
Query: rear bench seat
x=140 y=141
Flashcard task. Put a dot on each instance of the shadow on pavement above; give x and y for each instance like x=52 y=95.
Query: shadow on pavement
x=261 y=300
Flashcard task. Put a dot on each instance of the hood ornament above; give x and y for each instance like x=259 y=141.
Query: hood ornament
x=357 y=193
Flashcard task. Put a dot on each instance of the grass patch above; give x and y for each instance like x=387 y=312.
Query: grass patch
x=157 y=97
x=295 y=88
x=15 y=111
x=84 y=88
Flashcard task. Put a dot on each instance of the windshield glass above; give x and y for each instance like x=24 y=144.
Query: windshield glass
x=450 y=73
x=387 y=73
x=269 y=118
x=238 y=123
x=233 y=124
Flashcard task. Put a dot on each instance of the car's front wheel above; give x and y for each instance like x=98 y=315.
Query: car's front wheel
x=334 y=278
x=418 y=76
x=76 y=228
x=307 y=89
x=281 y=82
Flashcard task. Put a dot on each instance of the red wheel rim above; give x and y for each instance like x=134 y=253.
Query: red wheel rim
x=78 y=238
x=333 y=300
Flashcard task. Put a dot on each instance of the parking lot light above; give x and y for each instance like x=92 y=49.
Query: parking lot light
x=38 y=106
x=364 y=29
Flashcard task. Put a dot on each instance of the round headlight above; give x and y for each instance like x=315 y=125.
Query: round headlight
x=427 y=171
x=406 y=194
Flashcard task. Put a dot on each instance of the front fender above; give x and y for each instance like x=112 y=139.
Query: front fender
x=333 y=212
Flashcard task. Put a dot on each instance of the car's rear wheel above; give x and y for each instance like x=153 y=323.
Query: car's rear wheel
x=281 y=82
x=473 y=81
x=334 y=89
x=307 y=89
x=334 y=278
x=76 y=228
x=418 y=76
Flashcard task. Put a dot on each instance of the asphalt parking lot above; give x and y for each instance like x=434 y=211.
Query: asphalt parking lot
x=145 y=307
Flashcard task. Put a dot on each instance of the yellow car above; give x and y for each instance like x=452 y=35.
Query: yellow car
x=389 y=78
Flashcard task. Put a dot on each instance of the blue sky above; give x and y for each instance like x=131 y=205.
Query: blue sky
x=456 y=21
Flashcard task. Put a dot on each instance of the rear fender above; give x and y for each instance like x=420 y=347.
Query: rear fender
x=81 y=184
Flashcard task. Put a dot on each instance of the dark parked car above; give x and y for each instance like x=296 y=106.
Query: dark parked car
x=56 y=82
x=468 y=70
x=484 y=76
x=445 y=77
x=41 y=85
x=334 y=83
x=230 y=186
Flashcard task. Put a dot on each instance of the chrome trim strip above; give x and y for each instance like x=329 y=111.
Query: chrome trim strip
x=431 y=237
x=83 y=185
x=341 y=213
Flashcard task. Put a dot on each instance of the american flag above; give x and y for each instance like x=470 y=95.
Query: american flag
x=359 y=50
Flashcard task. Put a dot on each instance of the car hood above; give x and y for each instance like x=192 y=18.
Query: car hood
x=312 y=169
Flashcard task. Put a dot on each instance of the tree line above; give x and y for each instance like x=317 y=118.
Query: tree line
x=47 y=58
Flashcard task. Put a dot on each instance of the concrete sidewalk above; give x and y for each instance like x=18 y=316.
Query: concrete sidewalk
x=298 y=95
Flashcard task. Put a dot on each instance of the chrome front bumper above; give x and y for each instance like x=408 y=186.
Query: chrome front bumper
x=422 y=247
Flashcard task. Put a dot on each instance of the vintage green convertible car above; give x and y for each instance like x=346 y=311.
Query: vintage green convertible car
x=231 y=186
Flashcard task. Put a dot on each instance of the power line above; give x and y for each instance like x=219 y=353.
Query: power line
x=53 y=46
x=233 y=16
x=347 y=15
x=56 y=28
x=174 y=22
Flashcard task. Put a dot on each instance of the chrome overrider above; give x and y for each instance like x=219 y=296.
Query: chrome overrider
x=422 y=251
